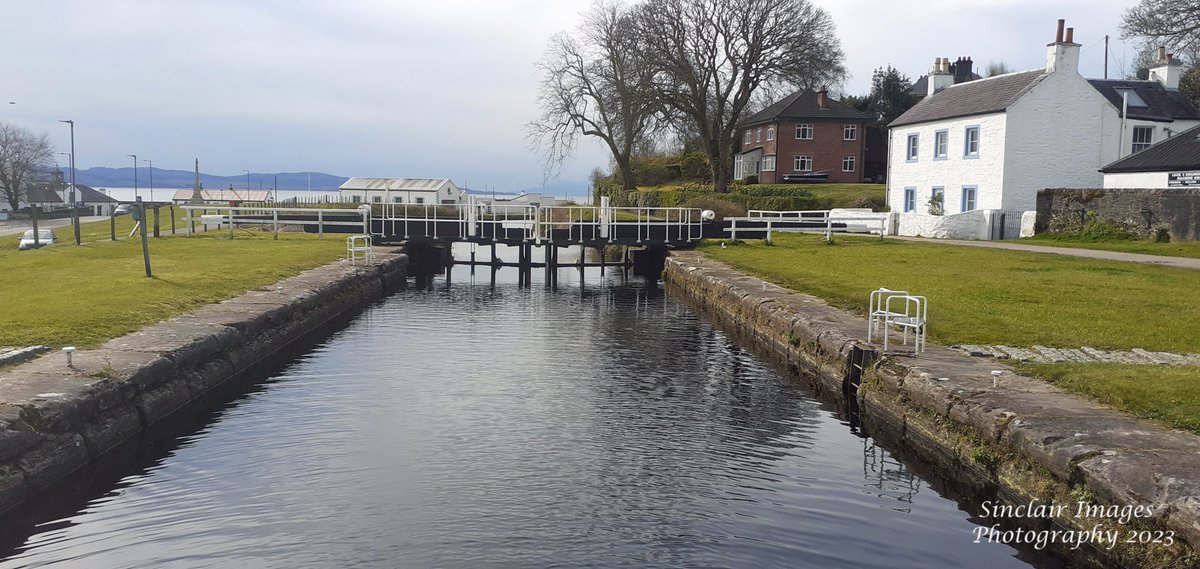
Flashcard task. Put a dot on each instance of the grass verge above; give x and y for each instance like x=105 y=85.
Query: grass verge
x=1166 y=394
x=83 y=295
x=1189 y=249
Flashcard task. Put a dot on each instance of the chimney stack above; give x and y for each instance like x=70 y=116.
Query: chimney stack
x=940 y=77
x=1063 y=54
x=1167 y=71
x=823 y=98
x=963 y=70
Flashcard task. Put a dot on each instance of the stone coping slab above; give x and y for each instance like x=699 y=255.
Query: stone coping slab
x=1121 y=458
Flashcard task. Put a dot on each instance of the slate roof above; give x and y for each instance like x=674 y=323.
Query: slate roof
x=803 y=105
x=1180 y=152
x=1162 y=104
x=41 y=194
x=395 y=184
x=89 y=195
x=989 y=95
x=920 y=88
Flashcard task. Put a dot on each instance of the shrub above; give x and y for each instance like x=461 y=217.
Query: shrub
x=752 y=179
x=722 y=208
x=877 y=204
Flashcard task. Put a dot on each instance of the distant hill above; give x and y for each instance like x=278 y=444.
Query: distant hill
x=100 y=177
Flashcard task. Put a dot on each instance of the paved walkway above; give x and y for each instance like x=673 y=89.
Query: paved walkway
x=18 y=226
x=1181 y=262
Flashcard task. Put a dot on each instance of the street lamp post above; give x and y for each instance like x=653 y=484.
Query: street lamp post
x=74 y=211
x=247 y=182
x=135 y=188
x=151 y=163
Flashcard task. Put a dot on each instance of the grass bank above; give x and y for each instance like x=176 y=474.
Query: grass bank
x=83 y=295
x=986 y=296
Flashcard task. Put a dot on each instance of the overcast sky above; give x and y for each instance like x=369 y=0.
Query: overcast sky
x=400 y=88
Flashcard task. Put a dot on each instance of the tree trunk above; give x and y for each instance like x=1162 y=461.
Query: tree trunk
x=627 y=180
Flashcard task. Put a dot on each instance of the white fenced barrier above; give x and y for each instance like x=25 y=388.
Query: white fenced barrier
x=826 y=222
x=264 y=215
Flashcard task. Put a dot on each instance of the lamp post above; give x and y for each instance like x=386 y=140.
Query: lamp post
x=74 y=212
x=151 y=163
x=247 y=181
x=135 y=188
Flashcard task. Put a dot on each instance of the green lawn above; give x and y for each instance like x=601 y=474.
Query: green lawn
x=1169 y=395
x=83 y=295
x=989 y=296
x=985 y=296
x=1179 y=249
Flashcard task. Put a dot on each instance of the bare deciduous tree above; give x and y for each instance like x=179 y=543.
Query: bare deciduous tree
x=595 y=83
x=1169 y=23
x=711 y=55
x=22 y=155
x=995 y=68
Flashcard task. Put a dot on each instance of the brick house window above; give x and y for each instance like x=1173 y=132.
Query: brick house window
x=758 y=135
x=768 y=163
x=747 y=138
x=850 y=132
x=914 y=146
x=804 y=132
x=847 y=163
x=1143 y=137
x=770 y=133
x=802 y=164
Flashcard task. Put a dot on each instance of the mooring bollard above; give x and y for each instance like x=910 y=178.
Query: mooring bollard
x=69 y=350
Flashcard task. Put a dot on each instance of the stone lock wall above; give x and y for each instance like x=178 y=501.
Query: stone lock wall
x=1175 y=209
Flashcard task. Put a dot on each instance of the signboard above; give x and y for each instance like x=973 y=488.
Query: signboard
x=1183 y=179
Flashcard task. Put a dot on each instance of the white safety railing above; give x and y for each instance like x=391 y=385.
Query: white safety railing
x=816 y=221
x=238 y=215
x=510 y=222
x=358 y=247
x=897 y=308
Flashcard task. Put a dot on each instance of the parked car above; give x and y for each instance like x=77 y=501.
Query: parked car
x=123 y=209
x=45 y=237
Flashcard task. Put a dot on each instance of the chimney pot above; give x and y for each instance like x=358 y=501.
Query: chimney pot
x=1058 y=38
x=1162 y=53
x=1070 y=35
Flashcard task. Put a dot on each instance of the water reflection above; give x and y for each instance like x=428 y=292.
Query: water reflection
x=602 y=424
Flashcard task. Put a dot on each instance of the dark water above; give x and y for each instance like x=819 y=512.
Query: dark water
x=464 y=426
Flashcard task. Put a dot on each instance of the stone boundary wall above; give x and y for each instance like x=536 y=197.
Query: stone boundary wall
x=1175 y=209
x=933 y=399
x=56 y=419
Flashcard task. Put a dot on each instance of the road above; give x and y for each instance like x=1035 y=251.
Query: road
x=18 y=226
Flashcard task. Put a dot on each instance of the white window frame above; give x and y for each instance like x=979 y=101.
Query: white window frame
x=850 y=132
x=799 y=160
x=848 y=159
x=758 y=135
x=770 y=133
x=768 y=164
x=746 y=139
x=912 y=148
x=968 y=151
x=941 y=144
x=1140 y=145
x=971 y=192
x=802 y=129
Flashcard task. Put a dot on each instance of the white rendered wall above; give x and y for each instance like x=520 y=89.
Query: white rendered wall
x=986 y=172
x=968 y=225
x=1136 y=180
x=1060 y=134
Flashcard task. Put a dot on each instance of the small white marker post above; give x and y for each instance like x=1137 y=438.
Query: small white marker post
x=69 y=350
x=996 y=377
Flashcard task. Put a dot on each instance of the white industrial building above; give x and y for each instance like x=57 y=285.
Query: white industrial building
x=401 y=191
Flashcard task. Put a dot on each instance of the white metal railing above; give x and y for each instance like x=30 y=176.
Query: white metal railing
x=359 y=247
x=819 y=221
x=538 y=223
x=253 y=215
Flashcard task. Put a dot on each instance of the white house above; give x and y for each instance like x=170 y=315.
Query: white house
x=991 y=144
x=1172 y=163
x=402 y=191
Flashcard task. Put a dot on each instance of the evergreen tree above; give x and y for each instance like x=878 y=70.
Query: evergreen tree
x=890 y=96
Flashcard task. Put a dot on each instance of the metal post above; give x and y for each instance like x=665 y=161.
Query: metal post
x=145 y=244
x=33 y=215
x=275 y=221
x=320 y=224
x=74 y=210
x=156 y=232
x=112 y=223
x=231 y=222
x=171 y=208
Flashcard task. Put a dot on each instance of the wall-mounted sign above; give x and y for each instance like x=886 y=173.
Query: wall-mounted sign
x=1183 y=179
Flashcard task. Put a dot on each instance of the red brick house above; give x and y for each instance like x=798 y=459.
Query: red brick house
x=806 y=136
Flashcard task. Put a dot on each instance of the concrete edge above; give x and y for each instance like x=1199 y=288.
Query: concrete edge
x=55 y=419
x=1121 y=460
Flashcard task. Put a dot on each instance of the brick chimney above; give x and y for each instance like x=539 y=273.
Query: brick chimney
x=1168 y=70
x=939 y=76
x=1063 y=55
x=962 y=70
x=823 y=98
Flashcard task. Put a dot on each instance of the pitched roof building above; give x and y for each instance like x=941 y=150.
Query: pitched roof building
x=991 y=144
x=805 y=136
x=1172 y=163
